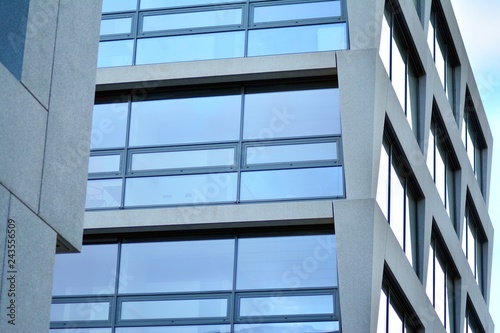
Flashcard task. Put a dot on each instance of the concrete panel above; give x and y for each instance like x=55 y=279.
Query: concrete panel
x=25 y=298
x=71 y=100
x=4 y=215
x=39 y=49
x=22 y=135
x=148 y=77
x=213 y=216
x=365 y=22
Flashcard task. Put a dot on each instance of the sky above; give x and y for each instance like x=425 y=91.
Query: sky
x=480 y=28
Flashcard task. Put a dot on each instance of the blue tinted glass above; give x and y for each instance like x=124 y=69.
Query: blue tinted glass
x=148 y=4
x=291 y=153
x=104 y=193
x=80 y=311
x=286 y=305
x=104 y=163
x=313 y=38
x=109 y=123
x=181 y=266
x=118 y=5
x=72 y=276
x=302 y=327
x=297 y=11
x=81 y=330
x=287 y=262
x=176 y=329
x=115 y=53
x=192 y=308
x=190 y=47
x=187 y=120
x=186 y=189
x=292 y=184
x=292 y=114
x=116 y=26
x=192 y=20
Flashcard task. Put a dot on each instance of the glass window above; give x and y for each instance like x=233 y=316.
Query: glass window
x=150 y=4
x=187 y=189
x=121 y=25
x=176 y=329
x=183 y=266
x=292 y=183
x=473 y=139
x=109 y=125
x=72 y=276
x=185 y=120
x=298 y=11
x=192 y=20
x=291 y=153
x=313 y=38
x=79 y=311
x=393 y=316
x=287 y=262
x=118 y=5
x=190 y=47
x=291 y=114
x=81 y=330
x=103 y=193
x=183 y=159
x=171 y=309
x=104 y=163
x=286 y=305
x=472 y=243
x=316 y=327
x=115 y=53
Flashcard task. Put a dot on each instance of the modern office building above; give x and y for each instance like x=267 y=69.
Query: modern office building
x=282 y=166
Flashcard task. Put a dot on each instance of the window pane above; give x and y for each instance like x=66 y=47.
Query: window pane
x=292 y=183
x=109 y=124
x=430 y=276
x=395 y=323
x=187 y=120
x=440 y=292
x=430 y=35
x=382 y=313
x=385 y=43
x=192 y=20
x=439 y=177
x=286 y=305
x=185 y=189
x=430 y=153
x=116 y=26
x=103 y=193
x=183 y=159
x=79 y=311
x=398 y=75
x=104 y=163
x=147 y=4
x=182 y=266
x=292 y=114
x=81 y=330
x=72 y=275
x=115 y=53
x=383 y=182
x=440 y=62
x=397 y=204
x=194 y=308
x=298 y=11
x=313 y=38
x=316 y=327
x=176 y=329
x=287 y=262
x=118 y=5
x=292 y=153
x=190 y=47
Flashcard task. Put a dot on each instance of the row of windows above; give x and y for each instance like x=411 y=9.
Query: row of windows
x=161 y=31
x=224 y=147
x=235 y=284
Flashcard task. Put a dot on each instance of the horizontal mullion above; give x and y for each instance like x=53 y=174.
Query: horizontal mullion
x=81 y=324
x=292 y=140
x=110 y=38
x=285 y=318
x=194 y=31
x=83 y=299
x=174 y=296
x=291 y=165
x=293 y=23
x=286 y=292
x=180 y=172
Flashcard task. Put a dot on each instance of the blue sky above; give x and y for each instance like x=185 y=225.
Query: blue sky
x=480 y=29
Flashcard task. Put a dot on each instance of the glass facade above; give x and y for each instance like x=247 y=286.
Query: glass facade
x=473 y=243
x=227 y=146
x=161 y=31
x=234 y=284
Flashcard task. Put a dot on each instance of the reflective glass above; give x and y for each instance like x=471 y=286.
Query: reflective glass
x=291 y=153
x=79 y=311
x=116 y=26
x=301 y=327
x=183 y=266
x=109 y=124
x=103 y=193
x=398 y=72
x=385 y=43
x=286 y=305
x=312 y=38
x=292 y=183
x=431 y=35
x=382 y=313
x=115 y=53
x=148 y=4
x=207 y=46
x=412 y=98
x=471 y=249
x=299 y=11
x=429 y=289
x=192 y=20
x=439 y=292
x=440 y=63
x=72 y=275
x=104 y=163
x=192 y=308
x=395 y=323
x=185 y=189
x=187 y=120
x=383 y=182
x=397 y=206
x=183 y=159
x=80 y=330
x=440 y=175
x=176 y=329
x=118 y=5
x=292 y=114
x=287 y=262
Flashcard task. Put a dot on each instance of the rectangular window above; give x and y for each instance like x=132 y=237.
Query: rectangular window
x=199 y=285
x=162 y=31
